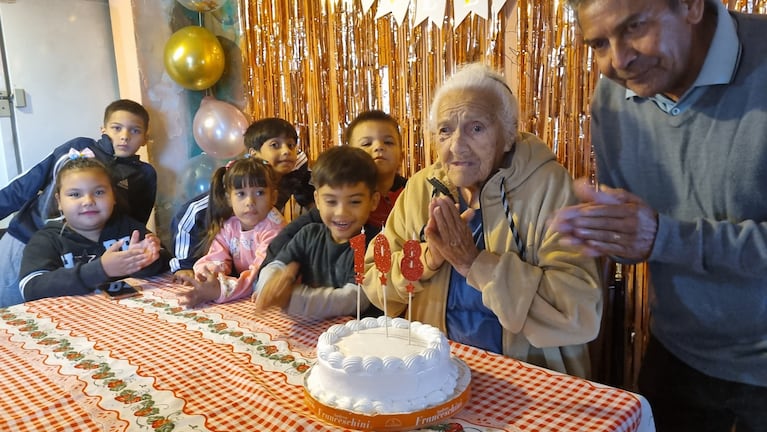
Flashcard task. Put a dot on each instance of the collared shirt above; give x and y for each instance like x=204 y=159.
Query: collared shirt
x=718 y=68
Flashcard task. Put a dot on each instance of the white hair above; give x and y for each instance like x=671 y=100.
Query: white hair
x=478 y=76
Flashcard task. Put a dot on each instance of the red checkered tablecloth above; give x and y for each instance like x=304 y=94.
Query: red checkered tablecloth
x=91 y=363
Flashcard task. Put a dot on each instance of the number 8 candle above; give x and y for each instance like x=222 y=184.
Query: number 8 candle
x=412 y=269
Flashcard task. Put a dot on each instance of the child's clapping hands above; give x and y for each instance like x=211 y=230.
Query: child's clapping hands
x=139 y=254
x=206 y=287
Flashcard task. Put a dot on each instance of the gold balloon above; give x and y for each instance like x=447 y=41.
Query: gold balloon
x=194 y=58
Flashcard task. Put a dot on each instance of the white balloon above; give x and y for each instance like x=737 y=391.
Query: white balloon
x=218 y=128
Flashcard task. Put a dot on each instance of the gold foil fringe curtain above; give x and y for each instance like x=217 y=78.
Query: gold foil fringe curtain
x=556 y=80
x=320 y=63
x=749 y=6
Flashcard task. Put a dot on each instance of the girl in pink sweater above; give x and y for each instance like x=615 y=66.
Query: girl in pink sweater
x=243 y=222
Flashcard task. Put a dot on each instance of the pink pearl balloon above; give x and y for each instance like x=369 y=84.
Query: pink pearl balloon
x=202 y=5
x=218 y=128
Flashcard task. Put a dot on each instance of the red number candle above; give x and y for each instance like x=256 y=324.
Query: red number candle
x=412 y=269
x=382 y=255
x=357 y=244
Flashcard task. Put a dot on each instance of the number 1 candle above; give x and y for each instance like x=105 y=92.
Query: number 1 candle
x=357 y=244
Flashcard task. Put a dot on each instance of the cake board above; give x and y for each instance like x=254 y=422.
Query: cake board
x=396 y=421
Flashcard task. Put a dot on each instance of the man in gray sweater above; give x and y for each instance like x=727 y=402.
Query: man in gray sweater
x=679 y=129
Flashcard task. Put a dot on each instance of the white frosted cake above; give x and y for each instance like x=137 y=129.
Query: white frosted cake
x=361 y=369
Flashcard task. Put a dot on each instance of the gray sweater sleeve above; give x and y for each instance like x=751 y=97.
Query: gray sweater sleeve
x=718 y=246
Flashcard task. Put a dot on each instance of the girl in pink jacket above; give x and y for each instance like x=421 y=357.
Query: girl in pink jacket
x=243 y=221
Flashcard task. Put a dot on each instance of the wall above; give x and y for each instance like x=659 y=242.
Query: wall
x=61 y=54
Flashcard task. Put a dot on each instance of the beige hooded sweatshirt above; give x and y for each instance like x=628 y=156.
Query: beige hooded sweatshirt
x=549 y=301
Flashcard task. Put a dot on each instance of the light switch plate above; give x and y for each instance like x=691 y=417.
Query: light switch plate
x=19 y=98
x=5 y=104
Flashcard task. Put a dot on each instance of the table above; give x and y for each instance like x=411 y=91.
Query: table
x=91 y=363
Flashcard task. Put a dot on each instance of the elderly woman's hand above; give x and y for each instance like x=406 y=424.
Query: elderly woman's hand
x=449 y=237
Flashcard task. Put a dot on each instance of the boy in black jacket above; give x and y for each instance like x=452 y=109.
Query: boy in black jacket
x=314 y=274
x=30 y=195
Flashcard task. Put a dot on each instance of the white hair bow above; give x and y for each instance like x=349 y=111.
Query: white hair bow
x=82 y=154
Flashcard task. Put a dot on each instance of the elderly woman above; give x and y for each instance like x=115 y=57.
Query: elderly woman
x=494 y=276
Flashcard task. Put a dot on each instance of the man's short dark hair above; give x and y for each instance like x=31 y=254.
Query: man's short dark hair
x=575 y=4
